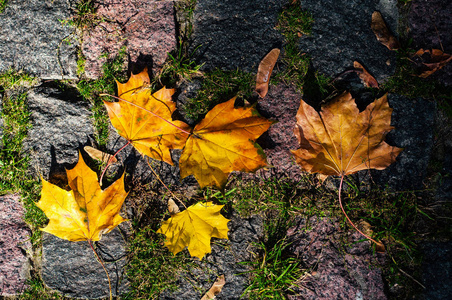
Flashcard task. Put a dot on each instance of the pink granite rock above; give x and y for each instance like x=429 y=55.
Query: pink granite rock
x=14 y=243
x=340 y=269
x=145 y=27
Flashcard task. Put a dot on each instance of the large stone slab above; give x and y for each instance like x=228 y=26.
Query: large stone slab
x=31 y=38
x=14 y=244
x=338 y=271
x=146 y=28
x=341 y=34
x=72 y=268
x=61 y=123
x=235 y=34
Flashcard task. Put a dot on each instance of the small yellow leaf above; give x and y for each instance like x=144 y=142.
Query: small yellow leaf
x=193 y=228
x=224 y=141
x=85 y=212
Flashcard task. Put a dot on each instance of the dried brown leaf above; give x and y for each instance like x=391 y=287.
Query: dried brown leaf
x=435 y=60
x=367 y=79
x=215 y=289
x=264 y=72
x=382 y=32
x=99 y=155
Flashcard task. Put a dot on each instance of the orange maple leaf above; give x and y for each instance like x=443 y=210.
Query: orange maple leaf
x=224 y=141
x=144 y=119
x=85 y=212
x=341 y=140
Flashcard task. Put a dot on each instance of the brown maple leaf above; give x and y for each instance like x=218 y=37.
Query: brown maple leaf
x=340 y=140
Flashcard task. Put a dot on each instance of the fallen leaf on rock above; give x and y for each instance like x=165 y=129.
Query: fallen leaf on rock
x=435 y=60
x=224 y=141
x=215 y=289
x=193 y=228
x=172 y=207
x=367 y=79
x=382 y=32
x=85 y=212
x=99 y=155
x=265 y=71
x=147 y=122
x=340 y=140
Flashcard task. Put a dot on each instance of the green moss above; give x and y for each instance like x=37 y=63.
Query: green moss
x=3 y=4
x=219 y=86
x=90 y=90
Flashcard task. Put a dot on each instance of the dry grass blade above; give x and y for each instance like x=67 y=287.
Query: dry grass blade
x=382 y=32
x=264 y=72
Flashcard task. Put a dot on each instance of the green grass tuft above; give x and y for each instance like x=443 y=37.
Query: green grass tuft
x=3 y=4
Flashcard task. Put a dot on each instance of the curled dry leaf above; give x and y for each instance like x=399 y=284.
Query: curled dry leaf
x=435 y=59
x=172 y=207
x=215 y=289
x=99 y=155
x=382 y=32
x=265 y=71
x=367 y=79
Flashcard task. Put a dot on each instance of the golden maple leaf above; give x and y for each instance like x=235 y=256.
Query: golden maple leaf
x=85 y=212
x=146 y=121
x=224 y=141
x=193 y=228
x=341 y=140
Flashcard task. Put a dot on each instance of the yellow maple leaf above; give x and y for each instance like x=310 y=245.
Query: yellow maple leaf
x=146 y=121
x=224 y=141
x=341 y=140
x=193 y=228
x=85 y=212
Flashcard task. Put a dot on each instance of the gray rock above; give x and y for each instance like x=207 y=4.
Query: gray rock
x=413 y=120
x=436 y=270
x=224 y=259
x=14 y=246
x=430 y=23
x=338 y=270
x=72 y=268
x=146 y=28
x=31 y=39
x=61 y=123
x=341 y=34
x=235 y=34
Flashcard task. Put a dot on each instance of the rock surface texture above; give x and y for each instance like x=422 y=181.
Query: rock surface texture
x=146 y=28
x=72 y=268
x=341 y=34
x=235 y=34
x=33 y=39
x=14 y=246
x=61 y=124
x=339 y=269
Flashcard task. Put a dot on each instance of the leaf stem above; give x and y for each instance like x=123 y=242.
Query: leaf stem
x=152 y=113
x=103 y=266
x=109 y=162
x=166 y=187
x=343 y=210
